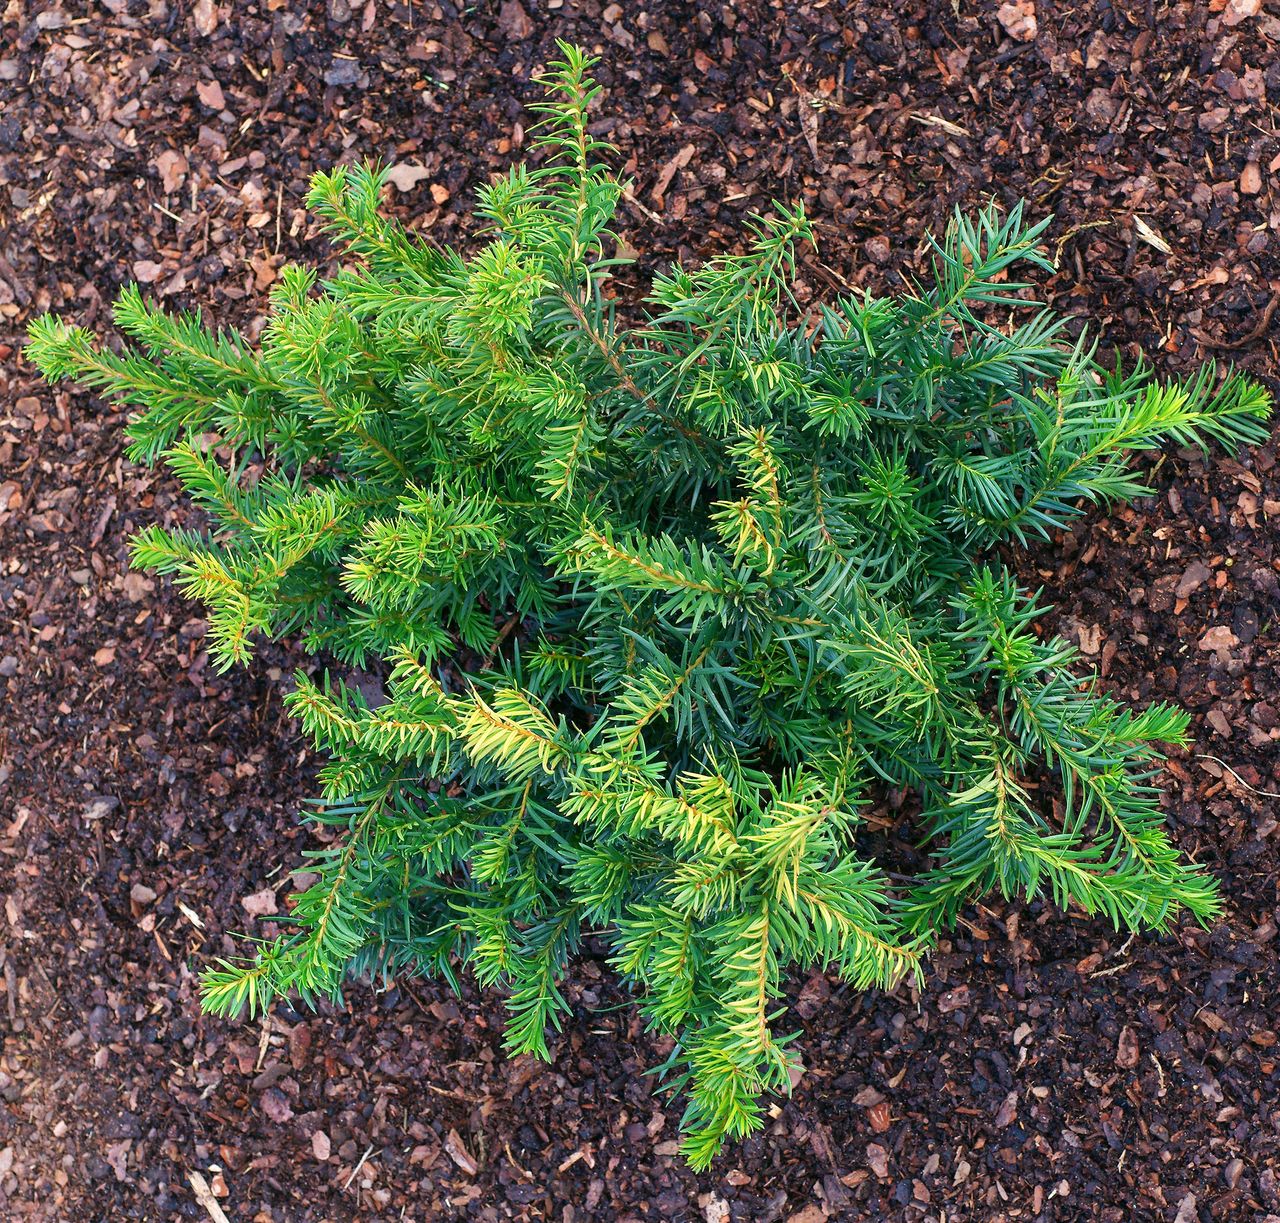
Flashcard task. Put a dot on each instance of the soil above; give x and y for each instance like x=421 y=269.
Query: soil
x=1050 y=1070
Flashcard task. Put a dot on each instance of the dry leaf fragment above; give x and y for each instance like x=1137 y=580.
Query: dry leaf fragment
x=276 y=1105
x=878 y=1160
x=813 y=1213
x=1214 y=276
x=147 y=271
x=809 y=125
x=264 y=270
x=1127 y=1049
x=118 y=1157
x=1018 y=19
x=1219 y=637
x=678 y=162
x=172 y=168
x=100 y=807
x=260 y=904
x=716 y=1210
x=953 y=1000
x=1193 y=577
x=205 y=15
x=1240 y=10
x=404 y=177
x=1090 y=638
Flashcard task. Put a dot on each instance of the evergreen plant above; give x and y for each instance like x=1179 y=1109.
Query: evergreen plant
x=663 y=600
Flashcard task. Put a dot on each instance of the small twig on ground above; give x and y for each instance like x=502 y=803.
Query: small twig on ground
x=264 y=1040
x=1241 y=780
x=357 y=1169
x=656 y=218
x=204 y=1195
x=1263 y=324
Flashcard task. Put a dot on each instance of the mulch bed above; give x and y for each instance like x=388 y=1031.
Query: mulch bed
x=1051 y=1070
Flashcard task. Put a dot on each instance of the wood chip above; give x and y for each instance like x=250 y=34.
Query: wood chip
x=1151 y=237
x=211 y=95
x=457 y=1151
x=659 y=190
x=945 y=125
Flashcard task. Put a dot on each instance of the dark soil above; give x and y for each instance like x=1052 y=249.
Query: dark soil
x=1051 y=1070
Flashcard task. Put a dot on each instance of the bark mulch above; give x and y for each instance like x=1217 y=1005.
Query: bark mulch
x=1050 y=1070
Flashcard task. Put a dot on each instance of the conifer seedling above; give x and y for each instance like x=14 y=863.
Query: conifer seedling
x=664 y=598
